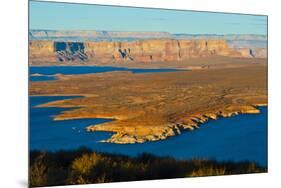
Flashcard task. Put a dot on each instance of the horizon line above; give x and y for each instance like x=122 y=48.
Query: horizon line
x=101 y=30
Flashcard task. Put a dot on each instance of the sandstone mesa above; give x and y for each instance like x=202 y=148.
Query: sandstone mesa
x=150 y=50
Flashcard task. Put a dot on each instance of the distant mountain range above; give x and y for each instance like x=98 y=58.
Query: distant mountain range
x=236 y=41
x=92 y=35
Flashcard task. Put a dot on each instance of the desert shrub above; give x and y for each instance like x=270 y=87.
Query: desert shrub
x=84 y=166
x=253 y=168
x=208 y=171
x=85 y=163
x=38 y=171
x=126 y=170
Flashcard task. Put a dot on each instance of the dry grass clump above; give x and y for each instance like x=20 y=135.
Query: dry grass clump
x=84 y=166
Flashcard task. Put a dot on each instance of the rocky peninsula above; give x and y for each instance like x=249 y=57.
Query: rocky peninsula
x=151 y=107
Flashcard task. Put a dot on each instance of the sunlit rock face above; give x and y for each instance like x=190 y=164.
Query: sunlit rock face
x=138 y=51
x=43 y=50
x=253 y=52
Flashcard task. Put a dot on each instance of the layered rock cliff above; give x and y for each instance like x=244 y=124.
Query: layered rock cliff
x=42 y=51
x=253 y=52
x=138 y=51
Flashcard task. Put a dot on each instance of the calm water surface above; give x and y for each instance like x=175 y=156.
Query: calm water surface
x=238 y=138
x=48 y=73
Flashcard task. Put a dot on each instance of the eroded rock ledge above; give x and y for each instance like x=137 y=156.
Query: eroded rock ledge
x=171 y=129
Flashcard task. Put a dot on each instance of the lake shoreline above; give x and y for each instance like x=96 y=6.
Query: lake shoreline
x=174 y=131
x=178 y=129
x=174 y=101
x=168 y=139
x=155 y=113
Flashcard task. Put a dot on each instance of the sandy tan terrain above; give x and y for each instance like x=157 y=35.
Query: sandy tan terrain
x=154 y=106
x=193 y=63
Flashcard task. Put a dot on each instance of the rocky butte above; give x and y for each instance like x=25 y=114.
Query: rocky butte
x=151 y=50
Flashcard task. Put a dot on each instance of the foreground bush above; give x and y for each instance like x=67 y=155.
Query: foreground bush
x=84 y=166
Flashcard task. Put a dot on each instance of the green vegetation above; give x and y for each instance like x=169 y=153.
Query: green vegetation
x=84 y=166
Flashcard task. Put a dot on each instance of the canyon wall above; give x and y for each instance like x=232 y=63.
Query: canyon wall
x=138 y=51
x=253 y=52
x=42 y=51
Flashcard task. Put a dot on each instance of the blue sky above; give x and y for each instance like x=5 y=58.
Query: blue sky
x=65 y=16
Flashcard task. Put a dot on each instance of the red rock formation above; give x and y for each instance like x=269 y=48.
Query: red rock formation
x=253 y=52
x=158 y=50
x=42 y=50
x=139 y=51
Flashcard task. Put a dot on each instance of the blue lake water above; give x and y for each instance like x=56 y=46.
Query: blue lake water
x=49 y=71
x=238 y=138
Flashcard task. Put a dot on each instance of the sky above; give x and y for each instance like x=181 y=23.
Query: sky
x=66 y=16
